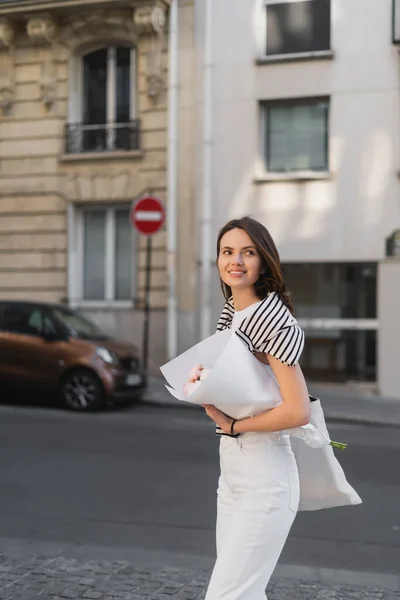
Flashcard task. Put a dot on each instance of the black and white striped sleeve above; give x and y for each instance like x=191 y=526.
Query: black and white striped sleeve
x=273 y=329
x=226 y=317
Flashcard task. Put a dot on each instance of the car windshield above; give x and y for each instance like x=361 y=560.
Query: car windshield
x=78 y=326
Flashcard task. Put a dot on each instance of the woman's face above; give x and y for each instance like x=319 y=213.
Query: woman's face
x=239 y=263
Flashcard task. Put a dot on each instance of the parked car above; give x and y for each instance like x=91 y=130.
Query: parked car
x=53 y=348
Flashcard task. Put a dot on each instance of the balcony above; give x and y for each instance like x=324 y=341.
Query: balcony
x=115 y=137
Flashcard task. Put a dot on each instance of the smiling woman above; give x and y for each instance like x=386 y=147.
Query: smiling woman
x=259 y=487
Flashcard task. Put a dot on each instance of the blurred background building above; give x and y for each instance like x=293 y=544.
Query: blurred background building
x=306 y=130
x=288 y=110
x=83 y=129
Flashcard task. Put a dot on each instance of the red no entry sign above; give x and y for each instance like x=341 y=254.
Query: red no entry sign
x=148 y=215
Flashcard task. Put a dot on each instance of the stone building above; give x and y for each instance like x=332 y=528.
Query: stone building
x=83 y=132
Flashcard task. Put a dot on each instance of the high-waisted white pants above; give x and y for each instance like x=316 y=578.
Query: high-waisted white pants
x=258 y=498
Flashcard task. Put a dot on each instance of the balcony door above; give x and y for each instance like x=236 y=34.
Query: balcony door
x=107 y=98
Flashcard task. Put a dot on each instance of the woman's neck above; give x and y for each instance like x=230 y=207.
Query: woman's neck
x=243 y=299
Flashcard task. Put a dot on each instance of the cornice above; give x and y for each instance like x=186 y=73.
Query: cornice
x=27 y=7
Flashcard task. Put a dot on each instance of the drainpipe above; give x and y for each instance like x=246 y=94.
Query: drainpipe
x=172 y=214
x=206 y=253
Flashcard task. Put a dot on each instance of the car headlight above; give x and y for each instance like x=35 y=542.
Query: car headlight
x=108 y=356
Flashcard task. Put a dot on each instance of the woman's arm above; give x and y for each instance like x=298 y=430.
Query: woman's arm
x=295 y=408
x=293 y=412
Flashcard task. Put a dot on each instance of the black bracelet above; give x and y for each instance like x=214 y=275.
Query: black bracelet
x=232 y=426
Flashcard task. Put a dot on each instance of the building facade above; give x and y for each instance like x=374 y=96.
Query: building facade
x=287 y=110
x=83 y=132
x=306 y=130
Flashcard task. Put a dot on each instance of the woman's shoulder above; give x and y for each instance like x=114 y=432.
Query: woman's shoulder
x=272 y=329
x=271 y=310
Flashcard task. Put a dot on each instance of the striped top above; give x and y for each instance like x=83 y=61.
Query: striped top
x=267 y=326
x=270 y=328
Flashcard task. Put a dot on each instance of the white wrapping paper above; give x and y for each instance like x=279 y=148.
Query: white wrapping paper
x=241 y=386
x=238 y=383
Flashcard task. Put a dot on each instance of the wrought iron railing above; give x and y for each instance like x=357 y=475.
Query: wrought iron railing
x=108 y=137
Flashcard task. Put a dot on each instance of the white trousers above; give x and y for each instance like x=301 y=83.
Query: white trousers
x=258 y=498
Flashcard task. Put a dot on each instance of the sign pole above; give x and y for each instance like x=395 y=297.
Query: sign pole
x=146 y=324
x=147 y=216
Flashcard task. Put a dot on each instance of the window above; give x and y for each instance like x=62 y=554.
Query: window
x=295 y=27
x=336 y=305
x=296 y=135
x=102 y=102
x=26 y=320
x=106 y=254
x=333 y=290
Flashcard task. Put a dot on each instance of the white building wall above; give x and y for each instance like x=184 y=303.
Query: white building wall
x=388 y=307
x=347 y=214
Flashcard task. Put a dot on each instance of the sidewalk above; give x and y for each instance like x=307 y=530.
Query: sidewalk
x=28 y=575
x=340 y=402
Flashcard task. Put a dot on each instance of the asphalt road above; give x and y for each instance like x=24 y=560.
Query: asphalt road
x=144 y=479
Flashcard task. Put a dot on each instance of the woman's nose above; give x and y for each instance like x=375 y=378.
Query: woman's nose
x=238 y=259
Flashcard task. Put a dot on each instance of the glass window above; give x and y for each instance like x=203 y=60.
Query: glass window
x=95 y=78
x=343 y=292
x=296 y=135
x=77 y=325
x=333 y=290
x=104 y=117
x=23 y=319
x=340 y=355
x=94 y=254
x=123 y=255
x=123 y=85
x=108 y=254
x=297 y=27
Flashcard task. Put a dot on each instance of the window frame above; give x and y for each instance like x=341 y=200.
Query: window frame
x=264 y=150
x=76 y=249
x=288 y=56
x=76 y=87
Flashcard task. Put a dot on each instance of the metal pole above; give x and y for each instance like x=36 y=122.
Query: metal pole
x=207 y=191
x=146 y=324
x=172 y=220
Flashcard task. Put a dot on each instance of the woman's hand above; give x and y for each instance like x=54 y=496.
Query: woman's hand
x=219 y=418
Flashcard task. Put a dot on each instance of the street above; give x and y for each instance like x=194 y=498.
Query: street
x=143 y=480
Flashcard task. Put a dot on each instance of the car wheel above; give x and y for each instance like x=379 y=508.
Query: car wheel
x=81 y=390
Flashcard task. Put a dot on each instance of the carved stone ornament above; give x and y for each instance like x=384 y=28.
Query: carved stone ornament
x=7 y=33
x=7 y=95
x=41 y=29
x=7 y=84
x=150 y=18
x=48 y=85
x=89 y=26
x=155 y=85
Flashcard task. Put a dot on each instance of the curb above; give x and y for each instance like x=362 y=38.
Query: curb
x=331 y=417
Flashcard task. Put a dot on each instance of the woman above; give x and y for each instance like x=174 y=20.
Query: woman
x=258 y=490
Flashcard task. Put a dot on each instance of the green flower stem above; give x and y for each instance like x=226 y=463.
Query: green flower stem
x=339 y=445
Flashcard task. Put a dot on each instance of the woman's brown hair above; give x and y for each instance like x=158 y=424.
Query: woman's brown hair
x=271 y=277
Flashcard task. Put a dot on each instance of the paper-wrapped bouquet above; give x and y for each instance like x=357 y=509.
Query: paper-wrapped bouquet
x=238 y=384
